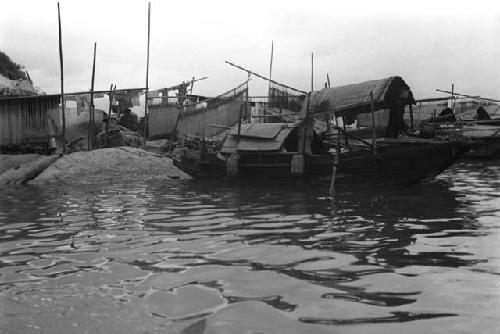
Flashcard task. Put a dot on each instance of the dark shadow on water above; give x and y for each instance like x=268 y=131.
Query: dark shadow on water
x=395 y=317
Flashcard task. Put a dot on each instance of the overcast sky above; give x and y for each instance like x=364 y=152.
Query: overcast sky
x=431 y=44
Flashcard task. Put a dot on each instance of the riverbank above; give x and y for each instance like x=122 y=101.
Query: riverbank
x=102 y=165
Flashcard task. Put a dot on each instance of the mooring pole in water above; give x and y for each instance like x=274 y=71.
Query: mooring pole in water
x=334 y=175
x=63 y=107
x=346 y=138
x=374 y=131
x=336 y=159
x=146 y=100
x=90 y=141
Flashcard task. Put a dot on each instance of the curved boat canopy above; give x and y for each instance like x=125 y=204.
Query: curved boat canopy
x=354 y=99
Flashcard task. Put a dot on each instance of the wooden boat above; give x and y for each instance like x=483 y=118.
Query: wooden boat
x=296 y=150
x=482 y=131
x=270 y=150
x=484 y=136
x=486 y=139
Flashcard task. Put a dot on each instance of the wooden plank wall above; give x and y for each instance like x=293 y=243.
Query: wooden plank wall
x=25 y=120
x=197 y=120
x=161 y=120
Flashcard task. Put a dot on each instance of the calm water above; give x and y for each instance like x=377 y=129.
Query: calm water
x=215 y=257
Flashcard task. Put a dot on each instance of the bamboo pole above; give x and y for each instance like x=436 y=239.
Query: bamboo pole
x=312 y=72
x=305 y=125
x=453 y=97
x=173 y=135
x=458 y=94
x=63 y=106
x=244 y=108
x=247 y=116
x=411 y=116
x=191 y=89
x=374 y=132
x=338 y=136
x=90 y=141
x=264 y=78
x=336 y=159
x=270 y=76
x=306 y=116
x=345 y=132
x=147 y=78
x=109 y=110
x=239 y=121
x=328 y=116
x=271 y=66
x=334 y=175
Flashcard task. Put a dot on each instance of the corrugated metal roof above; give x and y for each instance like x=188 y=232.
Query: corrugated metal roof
x=262 y=137
x=355 y=98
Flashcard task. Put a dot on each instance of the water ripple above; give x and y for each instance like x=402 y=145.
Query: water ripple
x=281 y=256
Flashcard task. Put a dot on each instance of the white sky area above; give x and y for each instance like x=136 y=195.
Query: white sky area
x=431 y=44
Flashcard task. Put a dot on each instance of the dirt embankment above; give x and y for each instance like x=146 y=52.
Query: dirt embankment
x=20 y=169
x=103 y=165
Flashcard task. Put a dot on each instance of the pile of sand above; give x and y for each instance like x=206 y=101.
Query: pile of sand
x=110 y=165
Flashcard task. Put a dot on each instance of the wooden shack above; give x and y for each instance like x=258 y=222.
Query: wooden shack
x=28 y=121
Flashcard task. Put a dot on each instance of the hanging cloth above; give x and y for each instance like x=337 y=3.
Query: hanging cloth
x=82 y=103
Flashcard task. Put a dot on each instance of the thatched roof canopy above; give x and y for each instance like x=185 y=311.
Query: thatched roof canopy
x=354 y=99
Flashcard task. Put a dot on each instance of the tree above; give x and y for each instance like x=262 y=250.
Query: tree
x=9 y=69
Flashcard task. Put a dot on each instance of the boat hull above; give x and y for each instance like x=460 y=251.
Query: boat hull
x=484 y=149
x=400 y=163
